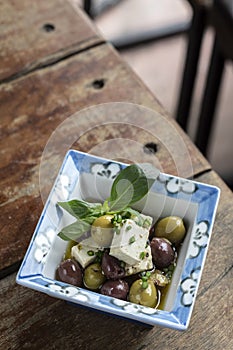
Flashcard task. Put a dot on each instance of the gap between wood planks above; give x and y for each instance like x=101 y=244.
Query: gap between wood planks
x=50 y=61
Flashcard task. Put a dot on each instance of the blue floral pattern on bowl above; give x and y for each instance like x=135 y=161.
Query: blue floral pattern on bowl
x=82 y=172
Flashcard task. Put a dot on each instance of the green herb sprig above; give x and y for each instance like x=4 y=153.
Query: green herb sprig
x=145 y=278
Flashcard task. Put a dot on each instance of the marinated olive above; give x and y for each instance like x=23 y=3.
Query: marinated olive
x=111 y=267
x=172 y=228
x=159 y=279
x=117 y=289
x=68 y=250
x=143 y=293
x=102 y=230
x=69 y=271
x=93 y=276
x=162 y=252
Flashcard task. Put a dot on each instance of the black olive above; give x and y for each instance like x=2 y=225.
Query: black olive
x=69 y=271
x=162 y=252
x=111 y=267
x=117 y=289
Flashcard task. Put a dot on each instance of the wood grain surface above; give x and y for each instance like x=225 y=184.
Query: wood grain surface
x=37 y=33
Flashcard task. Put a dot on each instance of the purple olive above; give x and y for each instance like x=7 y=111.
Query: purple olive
x=162 y=252
x=117 y=289
x=111 y=267
x=70 y=272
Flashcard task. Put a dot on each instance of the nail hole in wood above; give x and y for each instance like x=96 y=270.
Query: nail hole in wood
x=150 y=148
x=98 y=84
x=48 y=27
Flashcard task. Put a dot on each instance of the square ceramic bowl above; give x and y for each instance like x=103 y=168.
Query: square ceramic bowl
x=86 y=176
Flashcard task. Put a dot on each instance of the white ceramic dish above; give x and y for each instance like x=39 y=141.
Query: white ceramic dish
x=87 y=176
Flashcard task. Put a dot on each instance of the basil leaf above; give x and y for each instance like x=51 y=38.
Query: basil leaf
x=129 y=187
x=90 y=219
x=74 y=230
x=81 y=209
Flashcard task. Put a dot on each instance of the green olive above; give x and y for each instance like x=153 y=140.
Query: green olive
x=69 y=246
x=171 y=228
x=102 y=230
x=143 y=293
x=93 y=277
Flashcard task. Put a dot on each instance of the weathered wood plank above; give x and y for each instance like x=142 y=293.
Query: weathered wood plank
x=30 y=320
x=40 y=32
x=32 y=107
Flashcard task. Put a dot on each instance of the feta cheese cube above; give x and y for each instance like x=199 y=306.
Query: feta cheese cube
x=84 y=252
x=128 y=244
x=145 y=263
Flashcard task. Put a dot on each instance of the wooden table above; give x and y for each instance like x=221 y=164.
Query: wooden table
x=53 y=63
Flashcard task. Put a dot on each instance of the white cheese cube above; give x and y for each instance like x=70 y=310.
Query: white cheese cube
x=145 y=263
x=84 y=252
x=129 y=243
